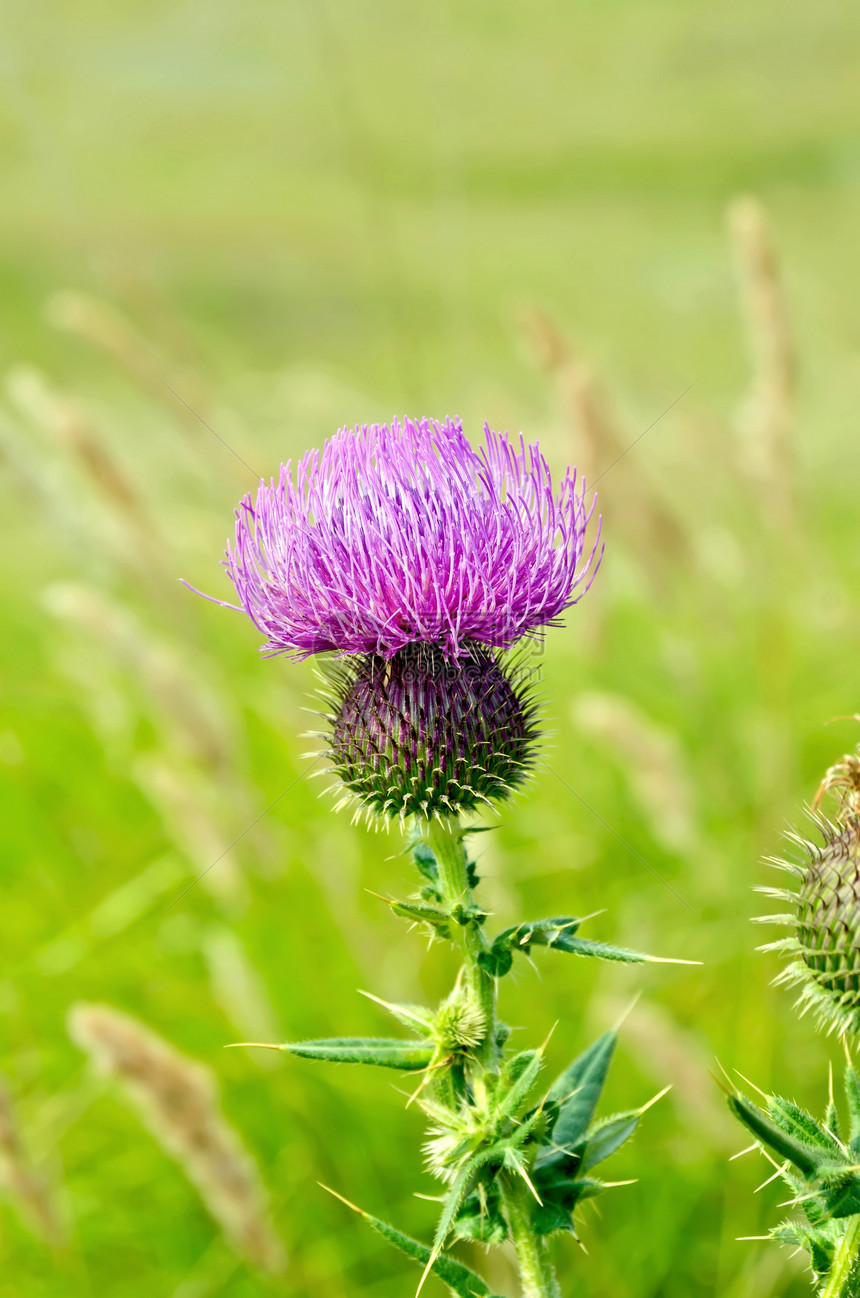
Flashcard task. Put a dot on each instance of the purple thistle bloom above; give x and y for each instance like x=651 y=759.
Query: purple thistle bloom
x=393 y=536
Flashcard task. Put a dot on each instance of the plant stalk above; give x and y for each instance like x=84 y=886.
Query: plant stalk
x=843 y=1279
x=536 y=1271
x=445 y=837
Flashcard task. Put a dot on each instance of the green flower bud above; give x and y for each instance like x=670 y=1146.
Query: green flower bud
x=419 y=734
x=825 y=947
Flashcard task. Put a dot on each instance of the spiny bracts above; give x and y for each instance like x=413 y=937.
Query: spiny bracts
x=824 y=950
x=419 y=735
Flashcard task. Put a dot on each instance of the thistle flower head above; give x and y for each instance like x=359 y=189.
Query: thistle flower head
x=824 y=949
x=406 y=534
x=416 y=560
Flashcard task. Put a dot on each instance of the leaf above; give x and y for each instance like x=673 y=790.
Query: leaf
x=844 y=1200
x=559 y=1201
x=606 y=1137
x=578 y=1089
x=383 y=1051
x=804 y=1156
x=558 y=933
x=480 y=1218
x=516 y=1079
x=521 y=937
x=425 y=860
x=459 y=1279
x=852 y=1095
x=604 y=951
x=421 y=913
x=458 y=1190
x=816 y=1242
x=789 y=1117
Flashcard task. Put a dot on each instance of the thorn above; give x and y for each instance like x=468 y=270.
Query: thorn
x=733 y=1090
x=779 y=1171
x=749 y=1149
x=649 y=1103
x=764 y=1095
x=335 y=1194
x=252 y=1045
x=626 y=1012
x=542 y=1048
x=665 y=959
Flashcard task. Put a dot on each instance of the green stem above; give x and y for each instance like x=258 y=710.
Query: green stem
x=843 y=1278
x=536 y=1270
x=445 y=837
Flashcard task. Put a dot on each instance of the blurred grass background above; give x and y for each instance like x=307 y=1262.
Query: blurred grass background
x=296 y=217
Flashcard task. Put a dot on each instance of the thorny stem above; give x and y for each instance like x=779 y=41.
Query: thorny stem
x=536 y=1272
x=843 y=1278
x=445 y=837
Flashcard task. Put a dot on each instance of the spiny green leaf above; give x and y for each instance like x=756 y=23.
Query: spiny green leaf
x=516 y=1079
x=425 y=860
x=804 y=1156
x=578 y=1089
x=459 y=1188
x=521 y=937
x=422 y=913
x=559 y=1201
x=605 y=1137
x=480 y=1218
x=602 y=951
x=852 y=1095
x=459 y=1279
x=384 y=1051
x=818 y=1243
x=843 y=1200
x=789 y=1117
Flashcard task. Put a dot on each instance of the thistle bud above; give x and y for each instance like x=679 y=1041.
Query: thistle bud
x=825 y=947
x=422 y=734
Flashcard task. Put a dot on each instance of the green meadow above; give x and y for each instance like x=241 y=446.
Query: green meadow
x=628 y=230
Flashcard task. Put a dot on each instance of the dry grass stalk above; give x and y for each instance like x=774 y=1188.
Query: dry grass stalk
x=178 y=1100
x=100 y=324
x=596 y=441
x=25 y=1186
x=667 y=1052
x=653 y=762
x=768 y=413
x=70 y=428
x=193 y=715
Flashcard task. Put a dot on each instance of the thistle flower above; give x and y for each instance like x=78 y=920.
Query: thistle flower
x=417 y=560
x=403 y=535
x=178 y=1100
x=417 y=563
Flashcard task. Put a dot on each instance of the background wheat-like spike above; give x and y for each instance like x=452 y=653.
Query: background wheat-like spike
x=178 y=1100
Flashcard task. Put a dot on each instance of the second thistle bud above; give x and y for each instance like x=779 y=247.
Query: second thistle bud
x=825 y=947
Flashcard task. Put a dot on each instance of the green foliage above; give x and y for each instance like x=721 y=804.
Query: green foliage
x=384 y=1052
x=822 y=1172
x=558 y=933
x=459 y=1279
x=286 y=281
